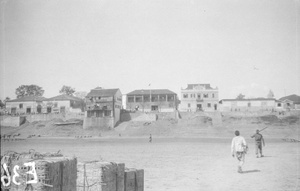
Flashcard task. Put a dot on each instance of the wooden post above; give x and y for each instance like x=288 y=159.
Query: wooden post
x=84 y=177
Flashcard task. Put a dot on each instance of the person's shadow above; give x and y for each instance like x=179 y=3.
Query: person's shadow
x=250 y=171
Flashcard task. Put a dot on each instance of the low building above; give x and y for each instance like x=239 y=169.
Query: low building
x=199 y=97
x=291 y=101
x=256 y=104
x=25 y=105
x=63 y=104
x=162 y=100
x=103 y=108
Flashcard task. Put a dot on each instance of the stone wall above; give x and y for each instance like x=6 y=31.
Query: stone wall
x=13 y=121
x=103 y=123
x=51 y=116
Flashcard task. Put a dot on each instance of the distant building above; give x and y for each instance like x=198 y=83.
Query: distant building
x=256 y=104
x=291 y=101
x=162 y=100
x=63 y=104
x=199 y=97
x=103 y=108
x=25 y=105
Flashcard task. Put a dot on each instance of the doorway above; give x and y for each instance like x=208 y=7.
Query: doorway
x=216 y=106
x=13 y=110
x=154 y=108
x=62 y=109
x=28 y=110
x=199 y=107
x=39 y=109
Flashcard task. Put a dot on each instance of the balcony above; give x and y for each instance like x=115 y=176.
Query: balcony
x=199 y=100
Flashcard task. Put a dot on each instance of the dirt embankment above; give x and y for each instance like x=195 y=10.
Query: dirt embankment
x=190 y=124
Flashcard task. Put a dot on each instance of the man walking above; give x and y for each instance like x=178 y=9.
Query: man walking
x=259 y=140
x=239 y=149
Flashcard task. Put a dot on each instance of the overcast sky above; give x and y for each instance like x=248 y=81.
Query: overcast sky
x=248 y=46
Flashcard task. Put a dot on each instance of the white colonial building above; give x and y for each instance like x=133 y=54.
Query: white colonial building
x=25 y=105
x=199 y=97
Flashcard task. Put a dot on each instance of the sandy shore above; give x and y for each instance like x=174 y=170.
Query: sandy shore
x=185 y=163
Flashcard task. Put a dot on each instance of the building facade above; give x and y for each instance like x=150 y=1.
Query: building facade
x=103 y=108
x=25 y=105
x=162 y=100
x=63 y=104
x=257 y=104
x=291 y=101
x=199 y=97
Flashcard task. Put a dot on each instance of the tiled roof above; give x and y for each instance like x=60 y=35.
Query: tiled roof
x=191 y=86
x=152 y=91
x=28 y=98
x=294 y=98
x=102 y=92
x=64 y=97
x=252 y=99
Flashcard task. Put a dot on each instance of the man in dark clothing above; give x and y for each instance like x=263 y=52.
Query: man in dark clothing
x=259 y=140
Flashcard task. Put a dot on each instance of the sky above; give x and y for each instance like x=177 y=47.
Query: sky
x=248 y=47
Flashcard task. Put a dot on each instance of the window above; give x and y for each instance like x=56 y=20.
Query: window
x=130 y=99
x=213 y=95
x=20 y=105
x=138 y=99
x=189 y=105
x=192 y=95
x=170 y=97
x=185 y=95
x=107 y=113
x=162 y=98
x=279 y=105
x=249 y=104
x=199 y=96
x=208 y=104
x=55 y=104
x=205 y=95
x=146 y=98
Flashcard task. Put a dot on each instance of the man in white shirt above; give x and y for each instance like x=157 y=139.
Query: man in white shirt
x=239 y=149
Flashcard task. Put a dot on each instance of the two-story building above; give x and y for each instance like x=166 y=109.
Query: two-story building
x=25 y=105
x=103 y=108
x=162 y=100
x=199 y=97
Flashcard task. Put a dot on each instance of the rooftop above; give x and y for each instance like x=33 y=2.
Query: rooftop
x=102 y=92
x=28 y=98
x=198 y=86
x=152 y=91
x=294 y=98
x=64 y=97
x=250 y=99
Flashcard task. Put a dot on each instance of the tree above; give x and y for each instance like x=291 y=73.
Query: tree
x=240 y=96
x=6 y=99
x=1 y=104
x=29 y=90
x=270 y=94
x=68 y=90
x=80 y=94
